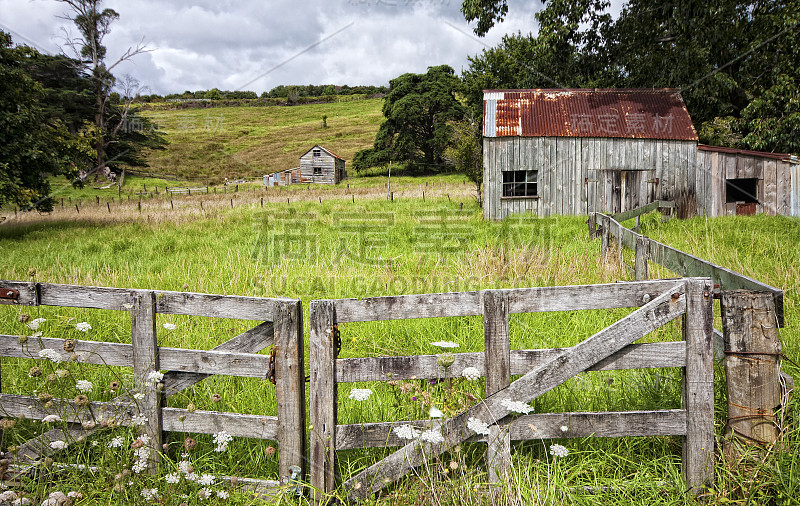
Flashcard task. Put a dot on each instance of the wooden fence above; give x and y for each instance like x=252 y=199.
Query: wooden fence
x=282 y=328
x=658 y=301
x=749 y=343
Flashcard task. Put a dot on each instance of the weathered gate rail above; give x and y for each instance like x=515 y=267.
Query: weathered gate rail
x=658 y=301
x=282 y=328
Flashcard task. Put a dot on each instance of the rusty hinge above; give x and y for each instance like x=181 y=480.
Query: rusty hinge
x=271 y=372
x=653 y=181
x=9 y=294
x=337 y=339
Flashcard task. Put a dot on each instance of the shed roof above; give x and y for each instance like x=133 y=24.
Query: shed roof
x=587 y=112
x=763 y=154
x=323 y=149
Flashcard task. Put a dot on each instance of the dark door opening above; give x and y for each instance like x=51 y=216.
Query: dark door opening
x=741 y=190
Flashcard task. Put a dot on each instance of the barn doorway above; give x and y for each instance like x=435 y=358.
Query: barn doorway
x=744 y=193
x=625 y=194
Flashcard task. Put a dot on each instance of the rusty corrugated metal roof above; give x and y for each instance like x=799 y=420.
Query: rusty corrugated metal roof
x=625 y=113
x=323 y=149
x=734 y=151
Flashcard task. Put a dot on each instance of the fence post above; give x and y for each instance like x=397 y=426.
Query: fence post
x=605 y=234
x=642 y=256
x=498 y=376
x=752 y=353
x=698 y=386
x=145 y=361
x=290 y=387
x=323 y=393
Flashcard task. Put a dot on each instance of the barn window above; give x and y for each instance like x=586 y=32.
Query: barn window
x=317 y=171
x=741 y=190
x=317 y=153
x=520 y=183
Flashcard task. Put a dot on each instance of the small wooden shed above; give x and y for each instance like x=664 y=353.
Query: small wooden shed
x=572 y=152
x=320 y=165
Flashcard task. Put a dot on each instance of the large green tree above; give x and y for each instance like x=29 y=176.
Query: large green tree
x=33 y=144
x=418 y=111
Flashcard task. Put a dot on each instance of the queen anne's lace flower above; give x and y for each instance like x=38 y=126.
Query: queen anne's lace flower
x=155 y=376
x=435 y=412
x=117 y=442
x=557 y=450
x=406 y=432
x=445 y=344
x=36 y=323
x=83 y=327
x=221 y=439
x=432 y=436
x=138 y=420
x=170 y=326
x=360 y=394
x=58 y=445
x=206 y=479
x=52 y=355
x=204 y=493
x=516 y=406
x=149 y=494
x=222 y=494
x=478 y=426
x=84 y=386
x=172 y=478
x=471 y=373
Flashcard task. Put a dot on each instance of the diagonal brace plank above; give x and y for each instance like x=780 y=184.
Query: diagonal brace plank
x=543 y=378
x=252 y=341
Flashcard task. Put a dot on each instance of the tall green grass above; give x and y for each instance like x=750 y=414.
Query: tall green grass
x=337 y=249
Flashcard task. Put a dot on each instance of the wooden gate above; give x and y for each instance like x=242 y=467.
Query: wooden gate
x=659 y=302
x=282 y=328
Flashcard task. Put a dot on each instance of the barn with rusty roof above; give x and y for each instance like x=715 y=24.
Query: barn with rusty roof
x=576 y=151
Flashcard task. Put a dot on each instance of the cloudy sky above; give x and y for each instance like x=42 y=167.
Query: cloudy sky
x=257 y=45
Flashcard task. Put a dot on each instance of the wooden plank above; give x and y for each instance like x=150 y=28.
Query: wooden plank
x=88 y=352
x=698 y=386
x=642 y=257
x=145 y=363
x=752 y=366
x=252 y=341
x=36 y=449
x=669 y=422
x=94 y=297
x=224 y=363
x=324 y=396
x=408 y=306
x=770 y=187
x=634 y=356
x=647 y=208
x=794 y=201
x=212 y=422
x=27 y=293
x=290 y=388
x=660 y=311
x=497 y=359
x=783 y=204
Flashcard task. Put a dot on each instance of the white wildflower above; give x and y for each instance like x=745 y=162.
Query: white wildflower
x=564 y=428
x=154 y=377
x=516 y=406
x=36 y=323
x=471 y=373
x=37 y=334
x=192 y=477
x=22 y=501
x=445 y=344
x=84 y=386
x=406 y=432
x=139 y=466
x=184 y=466
x=83 y=327
x=117 y=442
x=138 y=396
x=52 y=355
x=149 y=494
x=558 y=451
x=74 y=494
x=8 y=496
x=138 y=419
x=221 y=439
x=58 y=445
x=172 y=478
x=204 y=493
x=51 y=419
x=431 y=436
x=206 y=479
x=360 y=394
x=222 y=494
x=145 y=438
x=170 y=326
x=478 y=426
x=435 y=412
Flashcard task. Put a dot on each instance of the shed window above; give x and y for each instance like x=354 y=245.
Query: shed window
x=317 y=153
x=317 y=171
x=741 y=190
x=520 y=183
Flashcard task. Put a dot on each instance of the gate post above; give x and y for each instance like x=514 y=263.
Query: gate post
x=752 y=352
x=145 y=362
x=290 y=387
x=642 y=256
x=605 y=233
x=497 y=363
x=698 y=386
x=324 y=397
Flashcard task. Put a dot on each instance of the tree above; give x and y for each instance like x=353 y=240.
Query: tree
x=32 y=145
x=465 y=152
x=418 y=111
x=93 y=25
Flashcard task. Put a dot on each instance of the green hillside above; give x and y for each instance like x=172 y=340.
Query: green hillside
x=214 y=143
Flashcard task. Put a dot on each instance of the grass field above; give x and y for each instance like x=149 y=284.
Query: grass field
x=337 y=248
x=234 y=142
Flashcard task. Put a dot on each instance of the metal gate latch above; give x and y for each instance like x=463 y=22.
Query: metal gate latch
x=295 y=481
x=271 y=372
